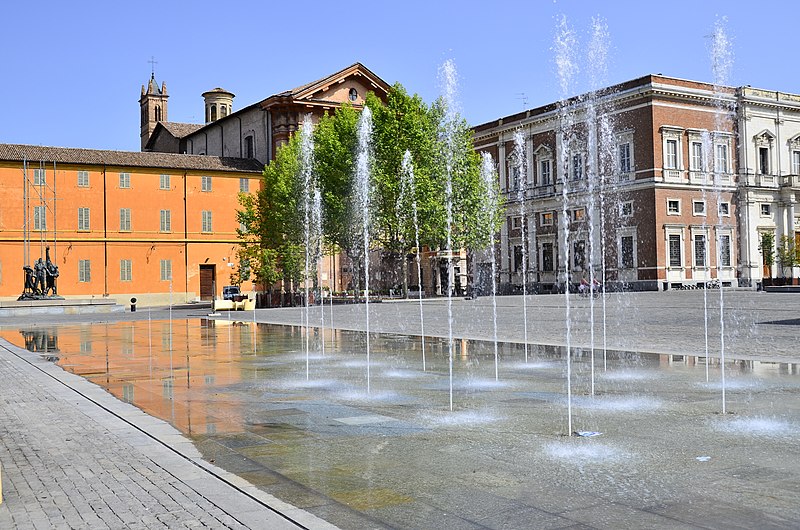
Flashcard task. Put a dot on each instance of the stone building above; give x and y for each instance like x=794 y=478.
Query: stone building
x=637 y=185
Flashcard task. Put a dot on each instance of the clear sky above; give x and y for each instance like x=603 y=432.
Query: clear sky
x=74 y=70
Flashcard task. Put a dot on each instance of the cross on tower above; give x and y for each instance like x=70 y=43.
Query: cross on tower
x=153 y=64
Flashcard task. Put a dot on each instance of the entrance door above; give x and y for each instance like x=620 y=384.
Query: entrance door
x=208 y=281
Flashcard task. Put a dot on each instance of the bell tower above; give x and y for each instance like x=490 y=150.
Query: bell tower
x=153 y=106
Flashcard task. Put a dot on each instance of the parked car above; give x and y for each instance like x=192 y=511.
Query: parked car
x=230 y=292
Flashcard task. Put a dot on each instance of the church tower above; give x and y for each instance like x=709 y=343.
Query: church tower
x=153 y=105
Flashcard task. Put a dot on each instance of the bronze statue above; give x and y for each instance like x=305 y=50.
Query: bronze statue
x=51 y=272
x=40 y=280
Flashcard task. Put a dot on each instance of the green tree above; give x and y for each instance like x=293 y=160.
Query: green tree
x=271 y=242
x=788 y=256
x=767 y=247
x=403 y=123
x=334 y=164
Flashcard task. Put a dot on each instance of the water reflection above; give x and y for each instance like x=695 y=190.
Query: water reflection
x=240 y=391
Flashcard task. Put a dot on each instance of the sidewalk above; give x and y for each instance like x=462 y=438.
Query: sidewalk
x=73 y=456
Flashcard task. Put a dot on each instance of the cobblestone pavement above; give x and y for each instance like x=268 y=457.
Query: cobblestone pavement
x=74 y=456
x=755 y=325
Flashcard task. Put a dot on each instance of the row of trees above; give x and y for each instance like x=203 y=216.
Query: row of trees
x=786 y=254
x=273 y=242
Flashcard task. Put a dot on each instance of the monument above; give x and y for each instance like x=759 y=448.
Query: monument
x=40 y=280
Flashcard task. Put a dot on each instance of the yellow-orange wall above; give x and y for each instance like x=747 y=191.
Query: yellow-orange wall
x=186 y=245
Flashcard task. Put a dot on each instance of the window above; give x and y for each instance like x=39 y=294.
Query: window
x=83 y=219
x=577 y=166
x=699 y=250
x=698 y=207
x=722 y=158
x=626 y=252
x=166 y=221
x=673 y=207
x=579 y=254
x=578 y=214
x=124 y=180
x=244 y=185
x=763 y=160
x=725 y=209
x=124 y=219
x=83 y=179
x=671 y=156
x=353 y=94
x=249 y=147
x=545 y=172
x=626 y=209
x=213 y=112
x=795 y=162
x=624 y=152
x=766 y=210
x=547 y=257
x=516 y=223
x=125 y=266
x=166 y=270
x=223 y=111
x=39 y=218
x=39 y=177
x=698 y=163
x=517 y=258
x=675 y=259
x=514 y=172
x=207 y=221
x=546 y=218
x=725 y=250
x=84 y=270
x=205 y=183
x=164 y=183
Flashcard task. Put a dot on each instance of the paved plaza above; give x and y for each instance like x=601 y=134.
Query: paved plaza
x=75 y=456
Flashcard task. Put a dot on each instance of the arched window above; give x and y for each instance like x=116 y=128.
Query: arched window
x=208 y=115
x=213 y=112
x=158 y=113
x=353 y=94
x=223 y=111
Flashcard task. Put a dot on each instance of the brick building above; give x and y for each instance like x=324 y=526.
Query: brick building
x=637 y=184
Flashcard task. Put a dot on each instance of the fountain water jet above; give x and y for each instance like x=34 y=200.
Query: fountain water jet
x=722 y=64
x=489 y=178
x=363 y=190
x=306 y=168
x=565 y=46
x=448 y=73
x=408 y=189
x=518 y=158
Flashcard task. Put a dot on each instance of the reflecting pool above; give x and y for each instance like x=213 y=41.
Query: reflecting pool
x=303 y=426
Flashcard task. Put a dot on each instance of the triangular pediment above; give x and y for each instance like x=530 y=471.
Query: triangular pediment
x=764 y=138
x=349 y=85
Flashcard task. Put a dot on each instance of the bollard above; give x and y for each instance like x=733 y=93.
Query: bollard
x=133 y=305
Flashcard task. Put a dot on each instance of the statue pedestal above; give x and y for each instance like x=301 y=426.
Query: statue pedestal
x=55 y=306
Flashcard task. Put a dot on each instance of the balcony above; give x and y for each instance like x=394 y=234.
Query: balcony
x=791 y=181
x=673 y=175
x=766 y=181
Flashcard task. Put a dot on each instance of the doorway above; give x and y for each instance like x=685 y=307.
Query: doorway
x=208 y=282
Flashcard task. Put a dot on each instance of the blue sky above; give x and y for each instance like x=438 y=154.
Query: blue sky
x=73 y=70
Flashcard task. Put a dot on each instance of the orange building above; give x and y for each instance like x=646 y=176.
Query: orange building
x=156 y=226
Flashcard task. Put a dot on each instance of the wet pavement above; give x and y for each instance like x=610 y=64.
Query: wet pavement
x=369 y=442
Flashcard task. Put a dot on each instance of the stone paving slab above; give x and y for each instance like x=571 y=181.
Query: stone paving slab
x=74 y=456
